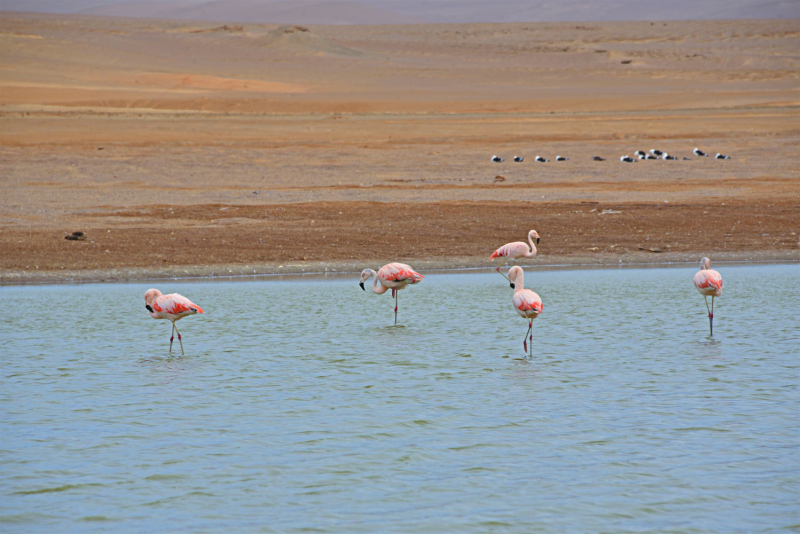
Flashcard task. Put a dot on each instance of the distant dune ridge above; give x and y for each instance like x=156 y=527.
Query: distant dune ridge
x=524 y=67
x=344 y=12
x=301 y=40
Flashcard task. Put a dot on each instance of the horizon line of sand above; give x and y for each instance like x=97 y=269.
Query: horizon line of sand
x=294 y=270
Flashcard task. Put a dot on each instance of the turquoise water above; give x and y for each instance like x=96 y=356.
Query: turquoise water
x=298 y=409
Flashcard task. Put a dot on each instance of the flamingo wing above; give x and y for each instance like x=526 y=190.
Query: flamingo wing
x=526 y=300
x=714 y=279
x=512 y=250
x=175 y=304
x=708 y=279
x=399 y=272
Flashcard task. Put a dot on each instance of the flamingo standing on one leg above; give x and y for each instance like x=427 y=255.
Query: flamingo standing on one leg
x=526 y=303
x=516 y=250
x=172 y=307
x=394 y=276
x=709 y=283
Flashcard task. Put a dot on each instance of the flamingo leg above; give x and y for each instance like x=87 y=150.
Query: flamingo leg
x=530 y=328
x=179 y=338
x=498 y=268
x=396 y=293
x=171 y=337
x=525 y=339
x=711 y=317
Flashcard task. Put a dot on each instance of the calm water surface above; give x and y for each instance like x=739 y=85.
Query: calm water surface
x=298 y=409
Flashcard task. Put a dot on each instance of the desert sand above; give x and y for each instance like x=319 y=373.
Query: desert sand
x=189 y=148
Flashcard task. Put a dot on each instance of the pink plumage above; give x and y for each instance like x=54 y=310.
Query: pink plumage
x=709 y=284
x=516 y=250
x=399 y=273
x=394 y=276
x=172 y=307
x=526 y=303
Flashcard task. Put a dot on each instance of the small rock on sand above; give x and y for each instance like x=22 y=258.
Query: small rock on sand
x=75 y=236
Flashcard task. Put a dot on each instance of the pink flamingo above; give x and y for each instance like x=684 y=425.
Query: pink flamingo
x=394 y=276
x=526 y=303
x=709 y=283
x=516 y=250
x=172 y=307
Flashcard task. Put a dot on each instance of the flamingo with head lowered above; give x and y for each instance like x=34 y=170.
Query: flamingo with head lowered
x=172 y=307
x=516 y=250
x=709 y=283
x=394 y=276
x=526 y=303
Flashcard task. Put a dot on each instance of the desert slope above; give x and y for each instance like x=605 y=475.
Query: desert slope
x=120 y=63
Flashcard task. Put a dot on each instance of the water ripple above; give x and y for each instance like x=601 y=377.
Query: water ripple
x=286 y=418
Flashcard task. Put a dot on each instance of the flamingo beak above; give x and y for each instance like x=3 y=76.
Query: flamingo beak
x=537 y=240
x=148 y=308
x=513 y=286
x=361 y=284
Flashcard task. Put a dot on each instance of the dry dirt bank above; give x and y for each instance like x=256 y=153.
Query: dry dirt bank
x=163 y=241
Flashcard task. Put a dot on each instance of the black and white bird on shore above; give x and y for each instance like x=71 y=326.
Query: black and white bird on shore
x=561 y=158
x=518 y=159
x=698 y=152
x=640 y=153
x=497 y=159
x=627 y=159
x=722 y=156
x=655 y=152
x=667 y=156
x=650 y=156
x=540 y=159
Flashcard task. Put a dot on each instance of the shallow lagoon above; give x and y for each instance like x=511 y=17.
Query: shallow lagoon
x=297 y=408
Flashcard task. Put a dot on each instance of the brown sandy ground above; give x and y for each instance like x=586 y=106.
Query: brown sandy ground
x=164 y=241
x=152 y=136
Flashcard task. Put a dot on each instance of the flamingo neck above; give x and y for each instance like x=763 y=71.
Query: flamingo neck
x=519 y=281
x=533 y=247
x=377 y=288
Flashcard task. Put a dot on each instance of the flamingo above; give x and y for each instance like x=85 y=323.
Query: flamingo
x=394 y=276
x=516 y=250
x=709 y=283
x=172 y=307
x=526 y=303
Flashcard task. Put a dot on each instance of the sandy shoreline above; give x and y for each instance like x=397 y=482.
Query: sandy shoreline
x=234 y=273
x=198 y=240
x=150 y=242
